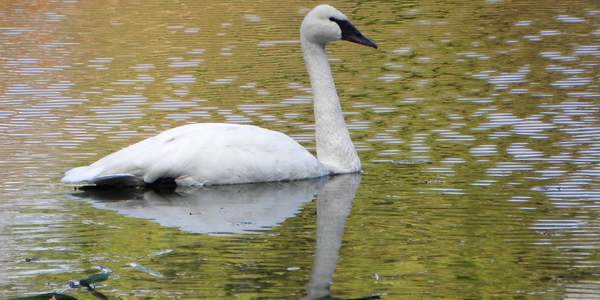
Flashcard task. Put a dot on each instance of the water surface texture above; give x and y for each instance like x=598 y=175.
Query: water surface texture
x=477 y=123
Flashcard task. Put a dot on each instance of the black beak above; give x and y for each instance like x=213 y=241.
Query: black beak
x=351 y=34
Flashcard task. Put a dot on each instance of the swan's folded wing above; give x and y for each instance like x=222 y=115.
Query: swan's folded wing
x=128 y=165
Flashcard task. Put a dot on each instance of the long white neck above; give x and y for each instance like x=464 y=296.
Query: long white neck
x=334 y=146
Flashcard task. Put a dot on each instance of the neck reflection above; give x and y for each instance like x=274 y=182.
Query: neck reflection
x=334 y=204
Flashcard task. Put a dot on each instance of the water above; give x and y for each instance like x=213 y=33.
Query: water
x=476 y=121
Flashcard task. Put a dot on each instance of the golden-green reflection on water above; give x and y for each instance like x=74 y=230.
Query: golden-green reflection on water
x=476 y=121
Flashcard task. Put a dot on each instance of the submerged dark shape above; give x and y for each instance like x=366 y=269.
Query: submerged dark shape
x=87 y=282
x=92 y=279
x=45 y=296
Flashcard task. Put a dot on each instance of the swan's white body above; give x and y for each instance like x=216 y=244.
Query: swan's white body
x=215 y=154
x=207 y=154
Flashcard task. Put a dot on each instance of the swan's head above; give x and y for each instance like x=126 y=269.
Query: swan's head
x=325 y=24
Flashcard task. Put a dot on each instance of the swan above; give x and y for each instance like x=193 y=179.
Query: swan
x=217 y=154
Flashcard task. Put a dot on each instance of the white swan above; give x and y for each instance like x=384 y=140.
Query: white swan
x=215 y=154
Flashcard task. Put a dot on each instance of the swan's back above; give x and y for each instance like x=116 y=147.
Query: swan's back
x=205 y=154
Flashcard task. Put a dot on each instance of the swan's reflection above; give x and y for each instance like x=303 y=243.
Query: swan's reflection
x=230 y=209
x=245 y=208
x=334 y=203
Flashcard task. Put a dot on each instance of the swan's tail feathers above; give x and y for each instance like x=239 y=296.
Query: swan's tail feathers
x=81 y=175
x=91 y=175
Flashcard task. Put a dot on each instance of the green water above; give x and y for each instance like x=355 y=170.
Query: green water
x=477 y=123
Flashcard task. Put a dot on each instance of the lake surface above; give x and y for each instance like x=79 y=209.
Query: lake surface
x=477 y=123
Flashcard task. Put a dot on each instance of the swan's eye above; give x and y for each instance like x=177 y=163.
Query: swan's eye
x=336 y=20
x=350 y=33
x=344 y=25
